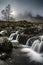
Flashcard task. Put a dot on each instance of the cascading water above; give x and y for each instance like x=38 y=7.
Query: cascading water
x=13 y=38
x=13 y=35
x=38 y=45
x=40 y=48
x=35 y=45
x=35 y=51
x=29 y=42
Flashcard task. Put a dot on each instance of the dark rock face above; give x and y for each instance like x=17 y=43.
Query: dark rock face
x=5 y=49
x=23 y=39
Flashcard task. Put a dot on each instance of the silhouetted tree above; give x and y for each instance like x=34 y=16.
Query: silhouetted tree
x=7 y=13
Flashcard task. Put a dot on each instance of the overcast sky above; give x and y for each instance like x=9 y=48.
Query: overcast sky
x=23 y=7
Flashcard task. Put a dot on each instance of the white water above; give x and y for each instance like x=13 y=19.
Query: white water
x=35 y=52
x=12 y=35
x=13 y=38
x=38 y=45
x=32 y=55
x=35 y=45
x=28 y=42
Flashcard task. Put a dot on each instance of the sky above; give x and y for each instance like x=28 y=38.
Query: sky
x=21 y=8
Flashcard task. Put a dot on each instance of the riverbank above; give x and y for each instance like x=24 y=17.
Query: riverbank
x=16 y=57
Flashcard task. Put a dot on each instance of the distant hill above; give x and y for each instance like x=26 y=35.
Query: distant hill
x=35 y=20
x=32 y=20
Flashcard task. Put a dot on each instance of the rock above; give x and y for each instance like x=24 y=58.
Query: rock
x=23 y=39
x=5 y=46
x=3 y=62
x=3 y=56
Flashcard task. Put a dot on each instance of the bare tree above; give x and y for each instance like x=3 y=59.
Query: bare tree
x=7 y=13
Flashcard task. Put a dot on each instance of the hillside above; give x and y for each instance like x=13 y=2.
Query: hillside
x=21 y=22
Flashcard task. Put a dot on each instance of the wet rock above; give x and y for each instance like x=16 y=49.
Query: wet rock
x=3 y=56
x=5 y=46
x=23 y=39
x=3 y=62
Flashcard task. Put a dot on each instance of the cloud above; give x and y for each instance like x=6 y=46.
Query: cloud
x=23 y=6
x=24 y=15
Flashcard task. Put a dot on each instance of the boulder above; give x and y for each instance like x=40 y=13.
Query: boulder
x=5 y=45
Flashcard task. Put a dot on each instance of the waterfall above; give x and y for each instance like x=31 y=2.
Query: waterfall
x=35 y=51
x=35 y=45
x=32 y=55
x=29 y=42
x=38 y=45
x=40 y=48
x=14 y=36
x=17 y=37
